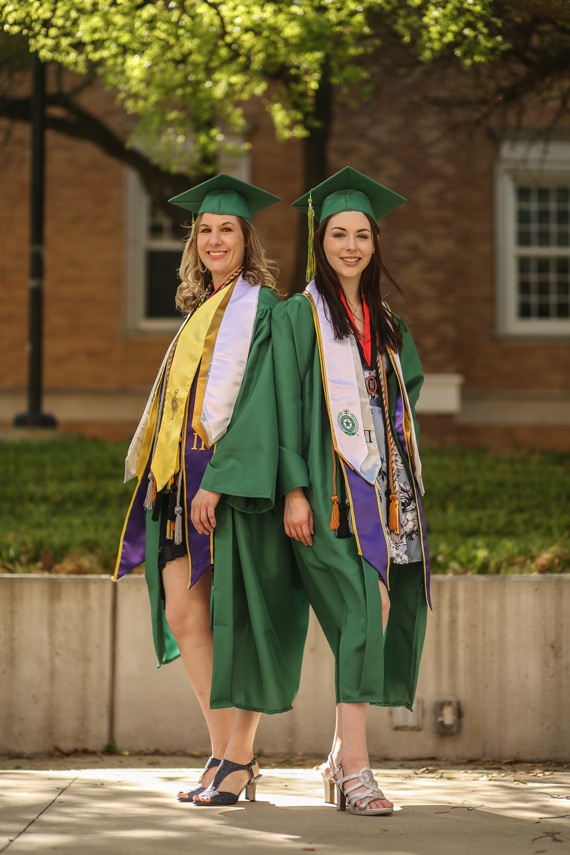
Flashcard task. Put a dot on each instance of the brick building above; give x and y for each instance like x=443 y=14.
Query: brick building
x=482 y=247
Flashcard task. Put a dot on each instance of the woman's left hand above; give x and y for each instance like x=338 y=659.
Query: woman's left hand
x=203 y=511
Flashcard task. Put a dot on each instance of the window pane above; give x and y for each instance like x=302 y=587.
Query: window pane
x=524 y=288
x=543 y=287
x=162 y=283
x=543 y=238
x=524 y=237
x=543 y=216
x=524 y=310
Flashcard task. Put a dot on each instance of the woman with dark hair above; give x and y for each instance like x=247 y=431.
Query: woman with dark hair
x=348 y=377
x=205 y=454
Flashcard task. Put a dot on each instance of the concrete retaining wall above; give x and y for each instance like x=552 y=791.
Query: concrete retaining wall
x=78 y=670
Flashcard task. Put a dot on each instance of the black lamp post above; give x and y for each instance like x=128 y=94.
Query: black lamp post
x=34 y=417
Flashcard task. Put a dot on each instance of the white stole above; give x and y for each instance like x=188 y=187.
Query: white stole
x=229 y=359
x=225 y=374
x=347 y=399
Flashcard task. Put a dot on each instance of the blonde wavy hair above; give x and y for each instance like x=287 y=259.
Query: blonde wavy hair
x=258 y=269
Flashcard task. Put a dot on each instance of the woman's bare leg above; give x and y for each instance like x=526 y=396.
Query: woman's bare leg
x=349 y=744
x=188 y=616
x=354 y=746
x=239 y=750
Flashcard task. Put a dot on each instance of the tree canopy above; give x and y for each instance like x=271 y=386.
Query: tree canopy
x=185 y=68
x=188 y=67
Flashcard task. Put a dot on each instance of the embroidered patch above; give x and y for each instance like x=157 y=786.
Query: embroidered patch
x=174 y=404
x=347 y=422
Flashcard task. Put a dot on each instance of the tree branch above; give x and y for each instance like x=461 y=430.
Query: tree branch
x=556 y=10
x=78 y=123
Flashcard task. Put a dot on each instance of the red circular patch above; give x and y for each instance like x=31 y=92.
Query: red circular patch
x=371 y=384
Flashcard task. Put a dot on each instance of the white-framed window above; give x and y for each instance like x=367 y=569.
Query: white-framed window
x=154 y=245
x=532 y=187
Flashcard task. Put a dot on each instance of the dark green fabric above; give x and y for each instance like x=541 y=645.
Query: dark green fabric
x=224 y=194
x=259 y=609
x=342 y=587
x=164 y=642
x=350 y=190
x=260 y=613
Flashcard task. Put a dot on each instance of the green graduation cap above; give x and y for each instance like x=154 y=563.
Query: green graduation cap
x=224 y=194
x=350 y=190
x=347 y=190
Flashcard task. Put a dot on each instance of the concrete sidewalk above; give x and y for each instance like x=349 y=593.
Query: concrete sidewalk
x=97 y=804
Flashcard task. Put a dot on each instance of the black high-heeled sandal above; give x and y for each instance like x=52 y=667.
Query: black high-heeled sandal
x=226 y=767
x=187 y=798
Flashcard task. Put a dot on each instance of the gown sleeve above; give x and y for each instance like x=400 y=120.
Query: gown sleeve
x=412 y=371
x=293 y=335
x=244 y=465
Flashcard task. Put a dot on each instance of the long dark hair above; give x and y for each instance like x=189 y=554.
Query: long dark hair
x=385 y=330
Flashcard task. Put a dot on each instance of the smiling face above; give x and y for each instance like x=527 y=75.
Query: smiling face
x=221 y=245
x=348 y=246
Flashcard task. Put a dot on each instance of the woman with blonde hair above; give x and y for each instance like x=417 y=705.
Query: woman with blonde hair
x=206 y=454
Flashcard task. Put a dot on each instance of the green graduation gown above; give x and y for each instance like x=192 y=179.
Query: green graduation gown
x=341 y=585
x=259 y=609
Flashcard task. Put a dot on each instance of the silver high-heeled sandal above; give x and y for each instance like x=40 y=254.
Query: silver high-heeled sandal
x=329 y=780
x=347 y=797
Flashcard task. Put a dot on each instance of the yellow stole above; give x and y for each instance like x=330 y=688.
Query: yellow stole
x=194 y=344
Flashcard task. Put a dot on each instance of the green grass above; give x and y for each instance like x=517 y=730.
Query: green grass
x=490 y=513
x=62 y=506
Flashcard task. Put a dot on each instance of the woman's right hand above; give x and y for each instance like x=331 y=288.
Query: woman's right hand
x=298 y=517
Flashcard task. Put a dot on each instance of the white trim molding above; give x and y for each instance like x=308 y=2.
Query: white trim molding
x=441 y=394
x=528 y=163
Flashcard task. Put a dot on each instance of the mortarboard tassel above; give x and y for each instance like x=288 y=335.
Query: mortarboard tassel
x=311 y=265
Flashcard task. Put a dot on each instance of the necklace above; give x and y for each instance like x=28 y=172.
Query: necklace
x=364 y=336
x=355 y=309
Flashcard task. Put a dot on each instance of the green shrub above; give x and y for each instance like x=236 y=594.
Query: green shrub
x=63 y=504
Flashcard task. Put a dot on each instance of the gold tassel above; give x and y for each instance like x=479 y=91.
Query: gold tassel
x=393 y=516
x=335 y=518
x=311 y=264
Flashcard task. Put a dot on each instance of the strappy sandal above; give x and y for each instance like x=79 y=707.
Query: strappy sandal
x=219 y=797
x=329 y=780
x=187 y=798
x=347 y=797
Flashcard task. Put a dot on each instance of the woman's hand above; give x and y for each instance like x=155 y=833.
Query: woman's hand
x=298 y=517
x=203 y=511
